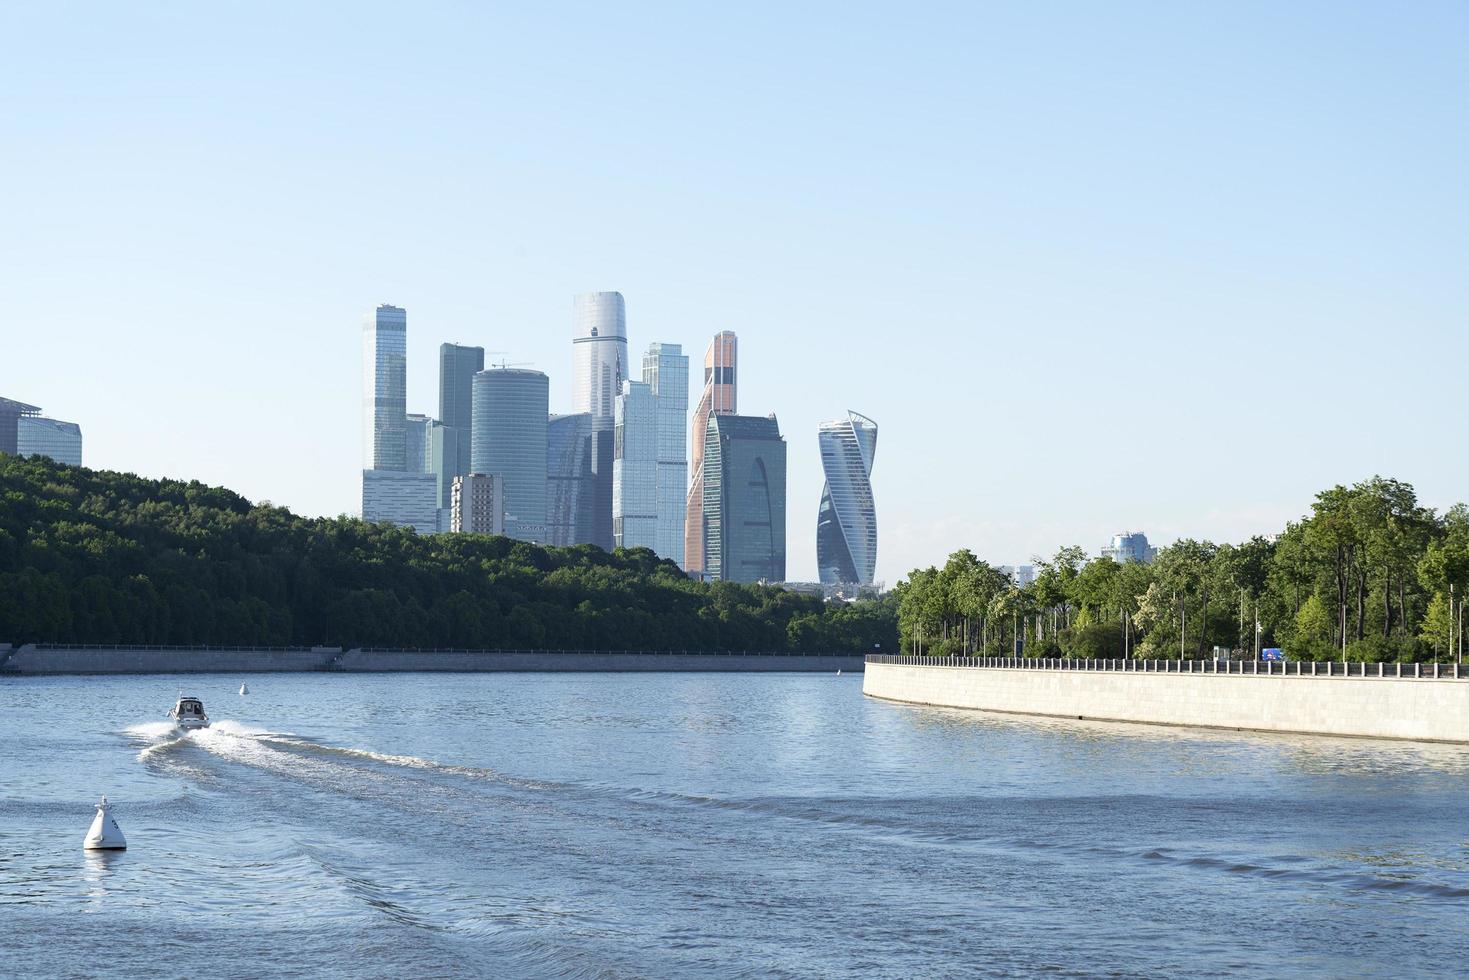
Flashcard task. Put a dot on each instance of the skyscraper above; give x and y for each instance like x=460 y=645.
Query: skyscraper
x=385 y=388
x=846 y=522
x=447 y=445
x=52 y=438
x=1132 y=546
x=569 y=480
x=509 y=439
x=635 y=467
x=599 y=350
x=457 y=367
x=718 y=398
x=666 y=372
x=744 y=501
x=415 y=443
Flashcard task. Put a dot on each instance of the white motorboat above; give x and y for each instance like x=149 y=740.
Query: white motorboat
x=189 y=714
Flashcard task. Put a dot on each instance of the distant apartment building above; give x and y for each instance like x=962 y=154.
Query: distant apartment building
x=635 y=467
x=478 y=504
x=1021 y=575
x=401 y=498
x=666 y=372
x=744 y=499
x=1132 y=546
x=510 y=439
x=717 y=398
x=846 y=520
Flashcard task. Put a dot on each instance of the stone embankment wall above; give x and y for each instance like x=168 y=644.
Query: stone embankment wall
x=30 y=659
x=1370 y=707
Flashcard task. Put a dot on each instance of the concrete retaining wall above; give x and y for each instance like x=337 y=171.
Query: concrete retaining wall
x=29 y=659
x=1422 y=710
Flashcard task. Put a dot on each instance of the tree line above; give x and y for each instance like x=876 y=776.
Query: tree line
x=1368 y=575
x=99 y=557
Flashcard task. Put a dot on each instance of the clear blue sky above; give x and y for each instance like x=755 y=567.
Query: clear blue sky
x=1091 y=267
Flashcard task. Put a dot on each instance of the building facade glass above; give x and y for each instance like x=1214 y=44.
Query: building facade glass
x=569 y=480
x=457 y=367
x=1132 y=546
x=36 y=435
x=11 y=412
x=744 y=503
x=385 y=388
x=666 y=372
x=509 y=439
x=635 y=468
x=846 y=521
x=401 y=498
x=717 y=398
x=416 y=431
x=599 y=353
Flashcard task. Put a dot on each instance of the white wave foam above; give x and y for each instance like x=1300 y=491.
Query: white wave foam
x=152 y=729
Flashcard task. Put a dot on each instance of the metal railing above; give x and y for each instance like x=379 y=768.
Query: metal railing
x=1261 y=668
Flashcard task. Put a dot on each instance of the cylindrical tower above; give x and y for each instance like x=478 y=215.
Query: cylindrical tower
x=599 y=346
x=511 y=407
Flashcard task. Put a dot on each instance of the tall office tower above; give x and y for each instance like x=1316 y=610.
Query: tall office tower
x=416 y=431
x=569 y=480
x=446 y=447
x=36 y=435
x=718 y=398
x=744 y=499
x=509 y=438
x=635 y=467
x=1132 y=546
x=666 y=372
x=385 y=388
x=401 y=498
x=11 y=412
x=846 y=522
x=457 y=367
x=479 y=504
x=599 y=348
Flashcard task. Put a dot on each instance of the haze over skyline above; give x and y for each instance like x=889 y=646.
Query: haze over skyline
x=1089 y=269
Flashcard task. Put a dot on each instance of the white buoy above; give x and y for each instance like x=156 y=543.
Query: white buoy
x=244 y=689
x=105 y=834
x=839 y=673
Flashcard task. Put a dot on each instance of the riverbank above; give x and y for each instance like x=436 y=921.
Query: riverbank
x=32 y=659
x=1371 y=704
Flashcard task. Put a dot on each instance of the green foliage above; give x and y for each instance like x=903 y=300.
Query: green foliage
x=1369 y=574
x=96 y=557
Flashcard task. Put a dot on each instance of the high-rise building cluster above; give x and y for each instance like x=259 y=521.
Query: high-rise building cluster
x=24 y=431
x=627 y=468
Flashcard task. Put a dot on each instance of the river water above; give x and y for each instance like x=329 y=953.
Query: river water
x=669 y=825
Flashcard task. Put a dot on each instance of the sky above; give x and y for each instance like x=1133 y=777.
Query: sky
x=1090 y=267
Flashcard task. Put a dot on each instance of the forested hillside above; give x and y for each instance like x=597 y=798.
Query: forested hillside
x=101 y=557
x=1369 y=574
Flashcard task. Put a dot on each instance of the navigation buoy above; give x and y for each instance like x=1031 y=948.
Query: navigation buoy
x=244 y=689
x=839 y=673
x=105 y=834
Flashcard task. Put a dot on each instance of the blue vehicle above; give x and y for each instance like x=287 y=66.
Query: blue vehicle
x=1272 y=653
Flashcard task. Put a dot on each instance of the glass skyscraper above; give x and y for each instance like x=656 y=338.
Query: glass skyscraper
x=416 y=443
x=36 y=435
x=385 y=388
x=744 y=503
x=717 y=398
x=599 y=346
x=1132 y=546
x=846 y=522
x=569 y=480
x=635 y=467
x=457 y=367
x=508 y=438
x=11 y=412
x=666 y=372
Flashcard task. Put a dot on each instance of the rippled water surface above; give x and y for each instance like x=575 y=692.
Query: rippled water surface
x=677 y=824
